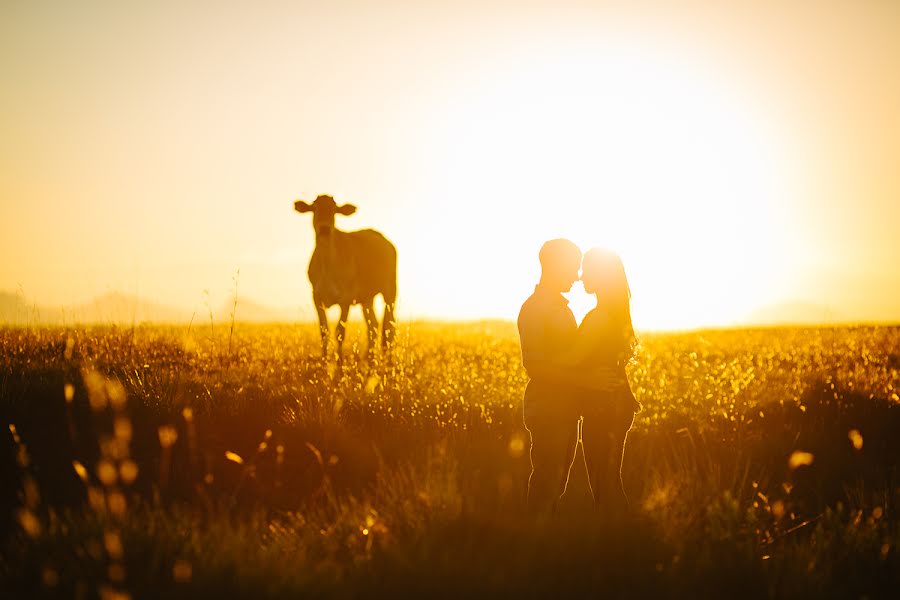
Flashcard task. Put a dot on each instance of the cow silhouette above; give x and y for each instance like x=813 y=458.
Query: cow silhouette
x=347 y=268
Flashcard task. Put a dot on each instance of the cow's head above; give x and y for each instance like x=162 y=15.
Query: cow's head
x=323 y=210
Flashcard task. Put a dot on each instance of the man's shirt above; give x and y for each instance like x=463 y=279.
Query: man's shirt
x=547 y=327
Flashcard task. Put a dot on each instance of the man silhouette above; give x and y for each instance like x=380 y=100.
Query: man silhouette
x=547 y=329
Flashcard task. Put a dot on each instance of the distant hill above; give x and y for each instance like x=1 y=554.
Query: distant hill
x=123 y=309
x=251 y=311
x=795 y=313
x=116 y=307
x=109 y=308
x=16 y=310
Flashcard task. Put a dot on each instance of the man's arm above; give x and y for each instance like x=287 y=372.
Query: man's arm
x=601 y=380
x=586 y=342
x=539 y=364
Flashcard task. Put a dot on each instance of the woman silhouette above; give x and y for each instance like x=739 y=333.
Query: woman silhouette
x=606 y=341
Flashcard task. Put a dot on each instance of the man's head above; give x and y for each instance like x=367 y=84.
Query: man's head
x=560 y=261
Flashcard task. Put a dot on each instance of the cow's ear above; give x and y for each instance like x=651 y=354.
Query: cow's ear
x=346 y=209
x=302 y=207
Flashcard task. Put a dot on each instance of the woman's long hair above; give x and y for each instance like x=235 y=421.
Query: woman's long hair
x=614 y=295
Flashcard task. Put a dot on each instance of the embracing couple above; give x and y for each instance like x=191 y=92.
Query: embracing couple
x=577 y=378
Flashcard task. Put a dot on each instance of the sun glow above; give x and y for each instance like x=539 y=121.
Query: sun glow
x=631 y=149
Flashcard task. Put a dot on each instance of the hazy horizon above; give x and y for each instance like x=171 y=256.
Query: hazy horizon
x=119 y=308
x=738 y=158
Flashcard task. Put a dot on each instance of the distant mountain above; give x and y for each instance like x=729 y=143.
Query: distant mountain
x=17 y=310
x=115 y=307
x=795 y=313
x=248 y=310
x=123 y=309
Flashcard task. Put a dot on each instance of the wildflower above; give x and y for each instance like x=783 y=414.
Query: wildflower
x=29 y=522
x=182 y=571
x=168 y=435
x=800 y=459
x=128 y=472
x=106 y=473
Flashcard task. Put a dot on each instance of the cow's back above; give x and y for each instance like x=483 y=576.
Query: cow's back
x=376 y=262
x=364 y=264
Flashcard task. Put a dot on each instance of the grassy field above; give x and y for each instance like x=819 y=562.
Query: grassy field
x=173 y=462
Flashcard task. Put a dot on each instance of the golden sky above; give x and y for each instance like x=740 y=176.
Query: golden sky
x=737 y=156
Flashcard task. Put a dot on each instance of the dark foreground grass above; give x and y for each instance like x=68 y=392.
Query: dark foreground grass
x=155 y=462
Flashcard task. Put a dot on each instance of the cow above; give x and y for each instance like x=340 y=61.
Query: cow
x=347 y=268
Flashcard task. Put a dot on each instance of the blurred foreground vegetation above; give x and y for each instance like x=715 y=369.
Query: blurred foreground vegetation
x=157 y=461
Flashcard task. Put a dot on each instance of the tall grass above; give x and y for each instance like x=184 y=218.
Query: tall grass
x=173 y=461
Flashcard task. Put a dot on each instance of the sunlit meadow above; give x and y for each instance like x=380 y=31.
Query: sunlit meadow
x=201 y=460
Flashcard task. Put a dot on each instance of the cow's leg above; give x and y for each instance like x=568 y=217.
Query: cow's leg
x=371 y=328
x=323 y=326
x=339 y=332
x=388 y=324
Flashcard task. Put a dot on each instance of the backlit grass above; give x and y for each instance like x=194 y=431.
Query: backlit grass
x=184 y=461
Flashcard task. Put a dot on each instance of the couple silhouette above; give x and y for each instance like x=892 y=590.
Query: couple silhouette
x=577 y=382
